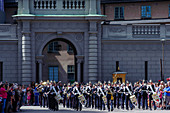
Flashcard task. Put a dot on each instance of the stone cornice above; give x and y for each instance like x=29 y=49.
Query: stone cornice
x=58 y=17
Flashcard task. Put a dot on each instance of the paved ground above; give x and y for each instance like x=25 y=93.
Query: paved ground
x=37 y=109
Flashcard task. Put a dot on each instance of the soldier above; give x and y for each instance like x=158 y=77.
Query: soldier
x=121 y=91
x=93 y=98
x=100 y=95
x=88 y=95
x=118 y=95
x=76 y=92
x=138 y=94
x=144 y=95
x=109 y=93
x=128 y=91
x=51 y=96
x=64 y=90
x=68 y=90
x=151 y=90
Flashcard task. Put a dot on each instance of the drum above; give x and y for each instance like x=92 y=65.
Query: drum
x=104 y=99
x=82 y=99
x=156 y=98
x=133 y=99
x=58 y=97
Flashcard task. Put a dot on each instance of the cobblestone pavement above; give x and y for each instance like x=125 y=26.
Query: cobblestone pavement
x=37 y=109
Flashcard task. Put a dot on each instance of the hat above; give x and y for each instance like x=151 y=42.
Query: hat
x=87 y=84
x=68 y=84
x=150 y=81
x=104 y=82
x=127 y=82
x=108 y=82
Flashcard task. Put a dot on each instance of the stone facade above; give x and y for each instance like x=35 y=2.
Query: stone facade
x=98 y=44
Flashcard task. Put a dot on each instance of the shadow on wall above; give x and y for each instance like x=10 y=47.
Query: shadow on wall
x=61 y=59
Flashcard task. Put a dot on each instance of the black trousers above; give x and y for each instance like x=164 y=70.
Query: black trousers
x=45 y=101
x=139 y=100
x=41 y=98
x=77 y=103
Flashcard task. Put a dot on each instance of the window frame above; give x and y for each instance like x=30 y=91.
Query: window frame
x=53 y=47
x=120 y=17
x=147 y=14
x=72 y=68
x=53 y=73
x=69 y=50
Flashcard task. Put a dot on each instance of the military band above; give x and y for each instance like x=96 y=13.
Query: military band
x=106 y=96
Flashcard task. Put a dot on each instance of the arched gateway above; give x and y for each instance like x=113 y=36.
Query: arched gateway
x=40 y=22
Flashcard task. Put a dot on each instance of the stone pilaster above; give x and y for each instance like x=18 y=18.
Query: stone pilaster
x=93 y=52
x=79 y=61
x=40 y=62
x=26 y=54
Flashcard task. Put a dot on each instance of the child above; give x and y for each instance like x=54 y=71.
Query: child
x=28 y=97
x=160 y=95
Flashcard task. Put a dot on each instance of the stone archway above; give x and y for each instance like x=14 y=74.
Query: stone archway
x=68 y=39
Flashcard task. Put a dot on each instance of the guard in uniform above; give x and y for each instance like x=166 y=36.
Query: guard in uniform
x=118 y=95
x=76 y=92
x=108 y=95
x=100 y=95
x=128 y=91
x=144 y=95
x=88 y=95
x=68 y=90
x=64 y=91
x=93 y=98
x=121 y=91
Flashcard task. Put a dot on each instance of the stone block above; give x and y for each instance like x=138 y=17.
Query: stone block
x=93 y=62
x=92 y=70
x=24 y=42
x=92 y=74
x=92 y=54
x=92 y=42
x=92 y=50
x=93 y=46
x=26 y=46
x=26 y=71
x=26 y=54
x=25 y=50
x=26 y=66
x=92 y=38
x=93 y=66
x=26 y=79
x=93 y=58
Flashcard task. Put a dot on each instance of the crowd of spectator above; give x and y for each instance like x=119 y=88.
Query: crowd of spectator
x=13 y=96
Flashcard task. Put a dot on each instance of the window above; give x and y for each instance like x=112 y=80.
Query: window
x=70 y=69
x=1 y=71
x=119 y=12
x=53 y=73
x=146 y=11
x=54 y=47
x=71 y=72
x=1 y=5
x=69 y=48
x=117 y=66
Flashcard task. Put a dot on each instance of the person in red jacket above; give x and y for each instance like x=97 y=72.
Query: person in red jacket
x=3 y=94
